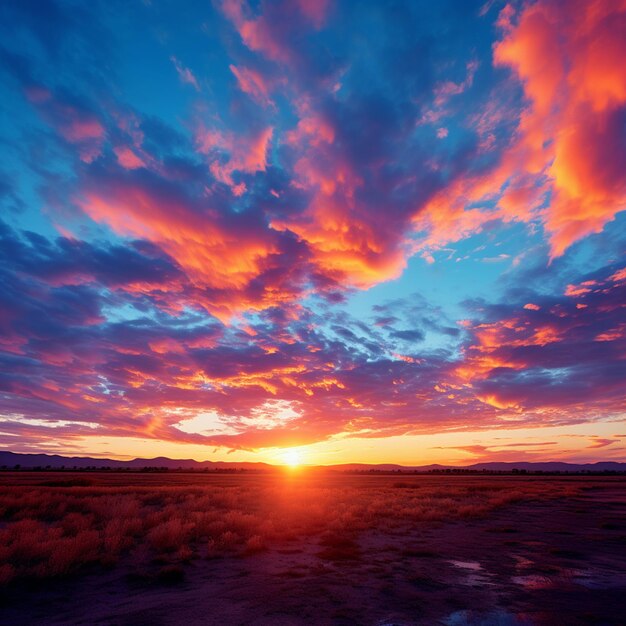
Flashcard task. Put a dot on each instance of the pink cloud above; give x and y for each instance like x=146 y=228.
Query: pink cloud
x=269 y=35
x=73 y=122
x=252 y=83
x=185 y=74
x=127 y=158
x=444 y=91
x=256 y=33
x=314 y=10
x=598 y=442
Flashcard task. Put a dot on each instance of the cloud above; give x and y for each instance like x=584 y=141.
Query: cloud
x=232 y=261
x=177 y=375
x=185 y=74
x=253 y=83
x=557 y=357
x=72 y=119
x=154 y=370
x=598 y=442
x=577 y=89
x=127 y=158
x=275 y=32
x=73 y=262
x=244 y=153
x=568 y=143
x=206 y=283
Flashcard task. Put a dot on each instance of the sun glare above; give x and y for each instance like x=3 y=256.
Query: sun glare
x=292 y=458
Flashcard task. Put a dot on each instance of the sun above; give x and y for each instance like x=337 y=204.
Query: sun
x=292 y=458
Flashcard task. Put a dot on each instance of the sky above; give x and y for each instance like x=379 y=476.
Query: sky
x=347 y=231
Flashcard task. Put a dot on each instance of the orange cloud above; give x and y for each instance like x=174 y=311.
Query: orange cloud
x=569 y=141
x=346 y=240
x=569 y=57
x=221 y=257
x=351 y=249
x=580 y=289
x=619 y=276
x=247 y=153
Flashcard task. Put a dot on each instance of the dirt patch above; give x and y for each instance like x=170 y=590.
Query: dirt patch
x=526 y=560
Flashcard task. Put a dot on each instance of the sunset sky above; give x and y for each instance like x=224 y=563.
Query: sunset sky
x=363 y=231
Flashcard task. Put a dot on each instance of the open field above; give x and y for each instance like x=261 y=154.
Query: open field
x=302 y=548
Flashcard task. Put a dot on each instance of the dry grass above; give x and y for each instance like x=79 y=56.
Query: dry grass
x=49 y=529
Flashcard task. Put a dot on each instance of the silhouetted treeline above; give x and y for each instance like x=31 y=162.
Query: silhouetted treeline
x=135 y=470
x=350 y=472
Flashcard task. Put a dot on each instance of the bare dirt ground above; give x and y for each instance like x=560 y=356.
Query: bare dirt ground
x=560 y=560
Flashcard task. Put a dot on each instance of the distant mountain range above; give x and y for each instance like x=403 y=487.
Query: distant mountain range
x=10 y=460
x=548 y=466
x=54 y=461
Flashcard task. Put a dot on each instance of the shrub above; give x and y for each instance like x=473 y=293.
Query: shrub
x=56 y=530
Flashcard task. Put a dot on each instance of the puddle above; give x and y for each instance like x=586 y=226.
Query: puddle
x=594 y=579
x=499 y=617
x=534 y=581
x=475 y=566
x=588 y=578
x=473 y=571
